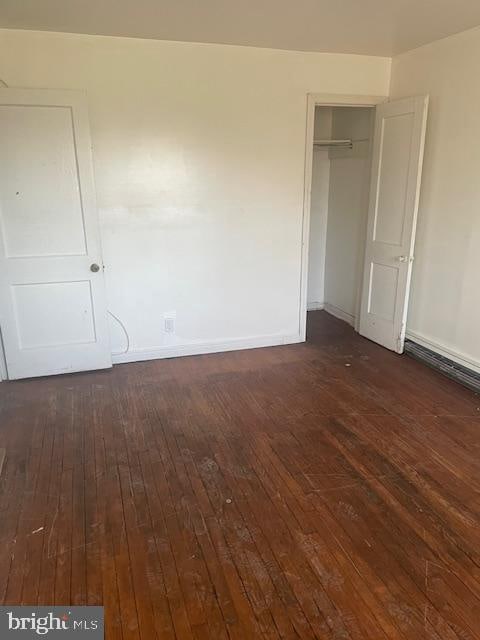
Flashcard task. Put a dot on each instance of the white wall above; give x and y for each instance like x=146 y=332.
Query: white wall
x=319 y=211
x=199 y=162
x=444 y=310
x=347 y=211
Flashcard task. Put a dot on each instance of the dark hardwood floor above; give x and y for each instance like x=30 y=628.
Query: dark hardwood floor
x=323 y=490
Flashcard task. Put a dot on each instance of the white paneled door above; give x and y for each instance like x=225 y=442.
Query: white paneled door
x=392 y=217
x=52 y=295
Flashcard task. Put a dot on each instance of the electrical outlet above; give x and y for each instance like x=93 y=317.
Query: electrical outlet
x=169 y=321
x=169 y=325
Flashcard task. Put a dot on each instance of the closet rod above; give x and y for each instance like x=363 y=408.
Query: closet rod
x=332 y=143
x=337 y=143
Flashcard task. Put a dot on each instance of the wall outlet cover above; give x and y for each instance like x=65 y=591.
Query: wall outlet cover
x=169 y=324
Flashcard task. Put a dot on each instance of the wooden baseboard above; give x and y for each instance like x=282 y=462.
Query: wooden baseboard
x=217 y=346
x=447 y=352
x=432 y=358
x=339 y=313
x=315 y=306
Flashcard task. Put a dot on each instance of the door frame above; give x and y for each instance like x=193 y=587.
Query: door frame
x=319 y=100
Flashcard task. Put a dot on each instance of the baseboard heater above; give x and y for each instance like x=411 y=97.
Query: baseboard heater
x=461 y=374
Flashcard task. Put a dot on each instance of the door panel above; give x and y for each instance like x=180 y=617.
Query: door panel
x=394 y=191
x=72 y=323
x=383 y=291
x=39 y=185
x=53 y=311
x=393 y=179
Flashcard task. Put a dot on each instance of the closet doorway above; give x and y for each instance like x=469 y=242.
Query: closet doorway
x=363 y=173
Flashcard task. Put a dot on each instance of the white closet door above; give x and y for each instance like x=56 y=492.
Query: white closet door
x=52 y=296
x=392 y=217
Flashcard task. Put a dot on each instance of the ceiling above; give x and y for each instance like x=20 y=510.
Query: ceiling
x=374 y=27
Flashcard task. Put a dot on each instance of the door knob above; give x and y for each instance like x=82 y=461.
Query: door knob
x=94 y=267
x=405 y=258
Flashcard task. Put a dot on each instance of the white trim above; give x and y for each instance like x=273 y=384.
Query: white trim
x=197 y=348
x=3 y=360
x=3 y=364
x=340 y=313
x=446 y=352
x=315 y=306
x=324 y=100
